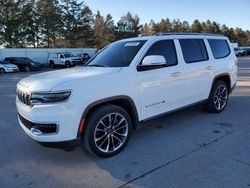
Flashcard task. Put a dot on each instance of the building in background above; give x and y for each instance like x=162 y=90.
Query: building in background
x=41 y=55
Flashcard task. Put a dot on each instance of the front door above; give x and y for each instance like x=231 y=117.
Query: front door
x=161 y=89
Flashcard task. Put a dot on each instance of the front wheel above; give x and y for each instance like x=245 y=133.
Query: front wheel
x=218 y=97
x=107 y=131
x=2 y=71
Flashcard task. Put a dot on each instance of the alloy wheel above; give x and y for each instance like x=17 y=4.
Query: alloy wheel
x=220 y=98
x=111 y=132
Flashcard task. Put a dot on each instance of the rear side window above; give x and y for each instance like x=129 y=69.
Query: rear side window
x=165 y=48
x=220 y=48
x=194 y=50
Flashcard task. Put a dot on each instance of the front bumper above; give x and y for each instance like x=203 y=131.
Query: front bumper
x=11 y=70
x=66 y=116
x=232 y=88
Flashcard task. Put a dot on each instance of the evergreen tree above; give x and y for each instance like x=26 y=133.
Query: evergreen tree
x=240 y=36
x=86 y=32
x=128 y=26
x=12 y=27
x=50 y=16
x=72 y=21
x=215 y=28
x=165 y=25
x=34 y=25
x=176 y=25
x=103 y=30
x=146 y=30
x=196 y=26
x=155 y=27
x=185 y=27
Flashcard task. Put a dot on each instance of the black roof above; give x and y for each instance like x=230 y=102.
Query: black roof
x=187 y=33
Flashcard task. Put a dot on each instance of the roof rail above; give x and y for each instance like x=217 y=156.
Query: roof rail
x=186 y=33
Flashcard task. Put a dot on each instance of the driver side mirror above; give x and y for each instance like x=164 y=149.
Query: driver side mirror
x=152 y=62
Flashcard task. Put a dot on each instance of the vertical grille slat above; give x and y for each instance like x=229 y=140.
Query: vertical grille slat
x=24 y=97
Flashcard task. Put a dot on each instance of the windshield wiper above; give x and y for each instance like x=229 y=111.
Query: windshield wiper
x=97 y=65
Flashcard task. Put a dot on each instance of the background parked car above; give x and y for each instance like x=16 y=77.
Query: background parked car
x=7 y=67
x=84 y=57
x=239 y=52
x=24 y=63
x=247 y=51
x=64 y=59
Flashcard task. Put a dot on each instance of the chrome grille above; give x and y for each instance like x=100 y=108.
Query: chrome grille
x=24 y=97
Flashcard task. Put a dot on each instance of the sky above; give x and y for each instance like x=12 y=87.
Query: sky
x=233 y=13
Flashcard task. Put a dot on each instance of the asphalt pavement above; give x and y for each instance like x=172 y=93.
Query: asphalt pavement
x=188 y=148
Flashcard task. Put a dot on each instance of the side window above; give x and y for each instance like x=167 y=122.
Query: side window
x=220 y=48
x=194 y=50
x=61 y=56
x=165 y=48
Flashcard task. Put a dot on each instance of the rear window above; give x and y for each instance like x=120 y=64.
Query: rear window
x=220 y=48
x=194 y=50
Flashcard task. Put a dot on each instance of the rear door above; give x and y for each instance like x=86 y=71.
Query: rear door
x=161 y=89
x=197 y=70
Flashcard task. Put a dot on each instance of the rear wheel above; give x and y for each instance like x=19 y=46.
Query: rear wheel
x=27 y=68
x=107 y=131
x=67 y=64
x=218 y=97
x=2 y=71
x=51 y=64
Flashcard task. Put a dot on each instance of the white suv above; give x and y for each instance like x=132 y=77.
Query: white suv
x=126 y=83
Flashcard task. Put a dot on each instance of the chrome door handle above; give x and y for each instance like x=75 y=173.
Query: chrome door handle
x=176 y=74
x=209 y=67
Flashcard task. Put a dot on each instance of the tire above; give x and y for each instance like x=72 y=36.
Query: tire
x=218 y=97
x=51 y=64
x=102 y=139
x=67 y=64
x=27 y=68
x=2 y=71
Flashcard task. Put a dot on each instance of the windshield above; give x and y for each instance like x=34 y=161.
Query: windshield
x=68 y=55
x=25 y=59
x=118 y=54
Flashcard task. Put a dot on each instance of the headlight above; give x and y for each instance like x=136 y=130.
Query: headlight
x=40 y=98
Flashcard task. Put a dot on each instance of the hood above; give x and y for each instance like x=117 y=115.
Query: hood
x=48 y=80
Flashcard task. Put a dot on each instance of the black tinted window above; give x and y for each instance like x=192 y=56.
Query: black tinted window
x=194 y=50
x=219 y=48
x=165 y=48
x=118 y=54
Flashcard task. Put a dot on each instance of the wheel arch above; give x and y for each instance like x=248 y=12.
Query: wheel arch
x=122 y=101
x=224 y=77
